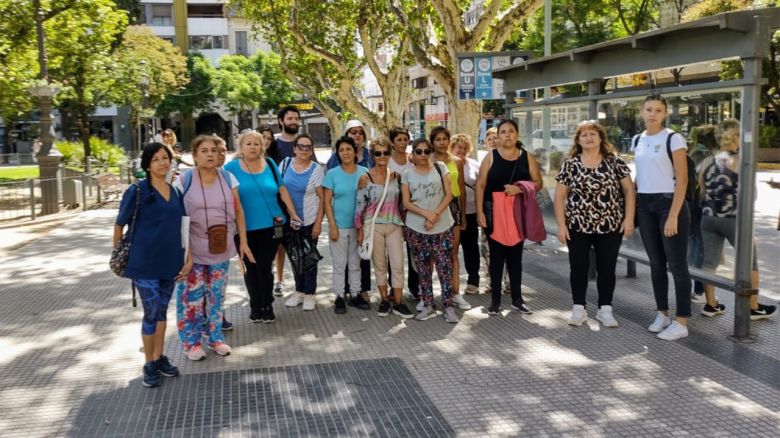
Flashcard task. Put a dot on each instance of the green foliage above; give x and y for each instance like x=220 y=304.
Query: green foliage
x=198 y=94
x=769 y=137
x=108 y=153
x=257 y=82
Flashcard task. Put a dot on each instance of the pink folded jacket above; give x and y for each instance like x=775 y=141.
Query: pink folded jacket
x=528 y=215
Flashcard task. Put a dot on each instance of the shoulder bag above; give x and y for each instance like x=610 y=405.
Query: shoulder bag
x=121 y=253
x=367 y=247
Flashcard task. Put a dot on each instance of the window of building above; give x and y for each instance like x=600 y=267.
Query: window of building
x=241 y=43
x=204 y=10
x=380 y=107
x=205 y=42
x=219 y=42
x=162 y=15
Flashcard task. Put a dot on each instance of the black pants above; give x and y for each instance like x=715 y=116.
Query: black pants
x=606 y=247
x=512 y=257
x=413 y=280
x=365 y=278
x=652 y=211
x=469 y=241
x=258 y=277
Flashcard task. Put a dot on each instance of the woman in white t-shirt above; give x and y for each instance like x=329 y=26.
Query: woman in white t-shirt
x=664 y=219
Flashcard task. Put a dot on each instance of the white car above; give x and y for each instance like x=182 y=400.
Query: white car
x=559 y=140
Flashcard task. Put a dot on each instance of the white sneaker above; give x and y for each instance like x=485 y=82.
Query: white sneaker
x=471 y=289
x=699 y=298
x=295 y=299
x=661 y=322
x=605 y=316
x=461 y=302
x=278 y=289
x=674 y=332
x=309 y=302
x=420 y=305
x=578 y=315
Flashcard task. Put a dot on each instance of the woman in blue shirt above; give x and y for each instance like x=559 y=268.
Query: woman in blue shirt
x=156 y=256
x=259 y=186
x=340 y=201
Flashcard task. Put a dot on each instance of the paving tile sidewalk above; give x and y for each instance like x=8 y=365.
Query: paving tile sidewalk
x=71 y=363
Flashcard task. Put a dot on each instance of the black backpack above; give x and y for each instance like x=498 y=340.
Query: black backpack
x=692 y=191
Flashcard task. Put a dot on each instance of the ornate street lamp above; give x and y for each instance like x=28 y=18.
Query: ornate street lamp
x=48 y=159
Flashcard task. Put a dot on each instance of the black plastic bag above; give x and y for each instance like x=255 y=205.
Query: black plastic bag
x=301 y=251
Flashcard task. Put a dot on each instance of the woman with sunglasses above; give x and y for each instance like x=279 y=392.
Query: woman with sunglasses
x=260 y=184
x=211 y=199
x=440 y=139
x=505 y=165
x=461 y=146
x=427 y=193
x=388 y=239
x=340 y=190
x=303 y=178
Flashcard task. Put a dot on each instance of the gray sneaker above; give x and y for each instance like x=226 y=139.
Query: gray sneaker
x=450 y=316
x=426 y=313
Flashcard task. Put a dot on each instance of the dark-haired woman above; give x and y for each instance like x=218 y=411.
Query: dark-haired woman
x=705 y=145
x=303 y=177
x=157 y=256
x=339 y=200
x=440 y=139
x=426 y=193
x=594 y=208
x=505 y=165
x=663 y=215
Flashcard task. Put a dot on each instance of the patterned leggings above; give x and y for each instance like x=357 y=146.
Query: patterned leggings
x=204 y=281
x=436 y=248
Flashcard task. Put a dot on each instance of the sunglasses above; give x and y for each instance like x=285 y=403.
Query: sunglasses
x=357 y=132
x=380 y=153
x=422 y=151
x=303 y=147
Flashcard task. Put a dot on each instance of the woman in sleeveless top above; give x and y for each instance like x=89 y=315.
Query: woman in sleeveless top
x=388 y=237
x=508 y=163
x=440 y=139
x=718 y=182
x=211 y=200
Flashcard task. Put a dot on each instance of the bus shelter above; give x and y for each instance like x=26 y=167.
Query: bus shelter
x=682 y=63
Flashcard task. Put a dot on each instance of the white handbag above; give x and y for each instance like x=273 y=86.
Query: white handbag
x=366 y=249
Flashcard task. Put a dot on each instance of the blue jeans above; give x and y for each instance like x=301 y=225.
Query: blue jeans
x=652 y=212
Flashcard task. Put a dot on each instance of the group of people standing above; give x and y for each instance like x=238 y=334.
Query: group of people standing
x=384 y=203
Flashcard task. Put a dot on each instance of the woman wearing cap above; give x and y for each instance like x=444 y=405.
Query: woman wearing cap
x=440 y=139
x=388 y=238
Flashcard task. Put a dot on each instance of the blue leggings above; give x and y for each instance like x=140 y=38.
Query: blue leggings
x=155 y=295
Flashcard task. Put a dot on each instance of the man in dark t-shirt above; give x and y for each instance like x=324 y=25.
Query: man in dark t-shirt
x=289 y=119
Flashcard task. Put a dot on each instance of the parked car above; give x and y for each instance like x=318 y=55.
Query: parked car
x=559 y=140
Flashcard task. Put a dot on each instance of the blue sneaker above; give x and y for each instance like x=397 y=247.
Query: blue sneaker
x=151 y=375
x=166 y=368
x=226 y=325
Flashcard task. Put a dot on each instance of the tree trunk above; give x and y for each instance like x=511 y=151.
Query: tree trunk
x=464 y=117
x=84 y=131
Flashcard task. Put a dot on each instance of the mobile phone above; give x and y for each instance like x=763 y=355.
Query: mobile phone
x=295 y=225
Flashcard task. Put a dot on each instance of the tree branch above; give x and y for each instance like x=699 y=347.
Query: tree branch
x=503 y=29
x=488 y=14
x=312 y=49
x=452 y=21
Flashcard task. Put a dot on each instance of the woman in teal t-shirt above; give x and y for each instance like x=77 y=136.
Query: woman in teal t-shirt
x=340 y=186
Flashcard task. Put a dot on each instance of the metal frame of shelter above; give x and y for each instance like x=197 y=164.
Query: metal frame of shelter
x=743 y=35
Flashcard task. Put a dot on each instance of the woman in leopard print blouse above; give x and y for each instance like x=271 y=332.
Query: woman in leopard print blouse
x=594 y=207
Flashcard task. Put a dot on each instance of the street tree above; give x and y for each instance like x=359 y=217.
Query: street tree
x=198 y=94
x=438 y=33
x=83 y=39
x=338 y=39
x=247 y=83
x=148 y=69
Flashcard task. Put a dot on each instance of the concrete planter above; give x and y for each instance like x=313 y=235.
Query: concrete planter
x=769 y=155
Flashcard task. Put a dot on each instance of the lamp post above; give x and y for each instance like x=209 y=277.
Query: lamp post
x=144 y=90
x=48 y=159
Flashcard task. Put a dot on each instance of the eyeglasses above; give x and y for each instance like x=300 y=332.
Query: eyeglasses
x=303 y=147
x=380 y=153
x=357 y=132
x=422 y=151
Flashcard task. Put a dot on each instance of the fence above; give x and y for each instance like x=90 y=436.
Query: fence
x=17 y=159
x=23 y=199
